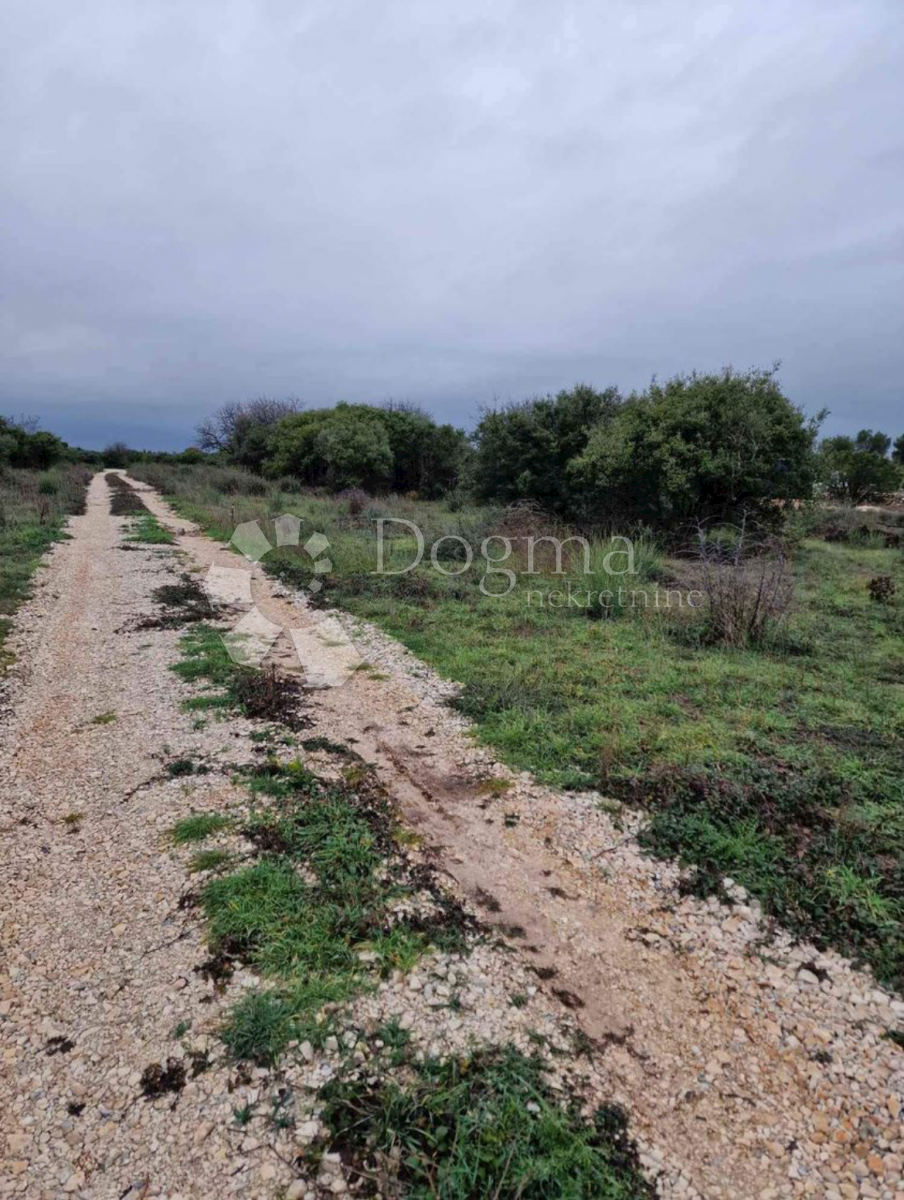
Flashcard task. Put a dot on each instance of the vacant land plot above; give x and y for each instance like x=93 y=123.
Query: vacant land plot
x=779 y=765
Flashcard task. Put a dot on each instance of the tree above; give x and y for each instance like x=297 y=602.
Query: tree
x=856 y=470
x=359 y=445
x=241 y=429
x=698 y=447
x=427 y=458
x=117 y=454
x=523 y=450
x=22 y=444
x=897 y=453
x=345 y=446
x=873 y=443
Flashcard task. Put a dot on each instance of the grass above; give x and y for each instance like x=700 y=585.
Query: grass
x=321 y=884
x=147 y=530
x=34 y=506
x=209 y=861
x=260 y=694
x=780 y=766
x=198 y=828
x=484 y=1126
x=125 y=501
x=319 y=892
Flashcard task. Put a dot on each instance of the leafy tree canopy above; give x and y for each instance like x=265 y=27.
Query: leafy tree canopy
x=698 y=447
x=523 y=450
x=360 y=445
x=23 y=445
x=856 y=470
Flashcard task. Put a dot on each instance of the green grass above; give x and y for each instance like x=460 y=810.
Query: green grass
x=34 y=506
x=304 y=929
x=148 y=531
x=198 y=828
x=318 y=889
x=782 y=766
x=229 y=687
x=210 y=860
x=485 y=1126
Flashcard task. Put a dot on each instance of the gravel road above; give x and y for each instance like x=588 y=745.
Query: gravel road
x=750 y=1067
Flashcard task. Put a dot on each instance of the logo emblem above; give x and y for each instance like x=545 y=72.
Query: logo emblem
x=327 y=655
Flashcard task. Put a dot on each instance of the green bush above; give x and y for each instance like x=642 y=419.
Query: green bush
x=704 y=448
x=20 y=446
x=360 y=446
x=857 y=470
x=523 y=450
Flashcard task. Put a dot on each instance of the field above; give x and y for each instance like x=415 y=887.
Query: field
x=777 y=765
x=33 y=509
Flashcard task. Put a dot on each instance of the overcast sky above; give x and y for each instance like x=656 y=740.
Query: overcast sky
x=206 y=200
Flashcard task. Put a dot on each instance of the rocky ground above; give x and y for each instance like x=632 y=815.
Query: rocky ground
x=750 y=1066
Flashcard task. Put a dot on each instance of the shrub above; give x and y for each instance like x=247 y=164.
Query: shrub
x=241 y=430
x=21 y=445
x=856 y=469
x=523 y=450
x=359 y=446
x=747 y=584
x=882 y=589
x=117 y=454
x=698 y=448
x=356 y=499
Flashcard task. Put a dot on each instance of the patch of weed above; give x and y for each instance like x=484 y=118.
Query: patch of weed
x=395 y=1039
x=209 y=860
x=822 y=857
x=494 y=786
x=58 y=1045
x=179 y=767
x=324 y=744
x=182 y=603
x=265 y=695
x=146 y=530
x=32 y=518
x=485 y=1126
x=125 y=501
x=327 y=876
x=198 y=827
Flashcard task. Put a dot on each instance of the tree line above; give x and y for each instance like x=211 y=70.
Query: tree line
x=697 y=447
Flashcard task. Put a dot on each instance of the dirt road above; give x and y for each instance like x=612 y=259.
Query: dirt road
x=754 y=1070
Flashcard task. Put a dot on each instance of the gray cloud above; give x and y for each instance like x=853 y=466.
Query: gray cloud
x=444 y=202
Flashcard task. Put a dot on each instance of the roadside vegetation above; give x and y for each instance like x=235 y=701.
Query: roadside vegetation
x=34 y=505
